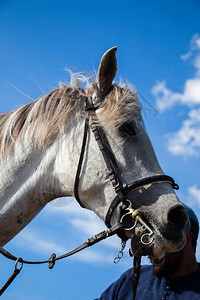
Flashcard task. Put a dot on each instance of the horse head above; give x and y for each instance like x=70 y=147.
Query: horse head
x=158 y=220
x=117 y=176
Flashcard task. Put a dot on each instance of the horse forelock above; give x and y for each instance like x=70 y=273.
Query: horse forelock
x=40 y=121
x=121 y=105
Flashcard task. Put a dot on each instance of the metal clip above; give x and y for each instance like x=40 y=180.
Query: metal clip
x=18 y=260
x=120 y=253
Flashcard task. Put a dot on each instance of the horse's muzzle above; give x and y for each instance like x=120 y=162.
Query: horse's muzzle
x=178 y=223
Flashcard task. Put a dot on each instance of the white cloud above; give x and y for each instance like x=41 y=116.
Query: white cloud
x=93 y=256
x=190 y=96
x=197 y=65
x=165 y=98
x=194 y=193
x=194 y=46
x=186 y=141
x=84 y=220
x=91 y=225
x=87 y=224
x=31 y=240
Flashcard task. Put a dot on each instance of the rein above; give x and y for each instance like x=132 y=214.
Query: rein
x=51 y=261
x=122 y=190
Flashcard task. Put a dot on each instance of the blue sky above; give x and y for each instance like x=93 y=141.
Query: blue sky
x=159 y=52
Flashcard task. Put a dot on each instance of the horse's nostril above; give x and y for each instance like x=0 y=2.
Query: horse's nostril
x=178 y=216
x=177 y=220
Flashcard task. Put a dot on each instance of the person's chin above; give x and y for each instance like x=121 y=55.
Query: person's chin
x=158 y=271
x=169 y=265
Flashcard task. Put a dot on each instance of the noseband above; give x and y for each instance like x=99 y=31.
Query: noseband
x=122 y=189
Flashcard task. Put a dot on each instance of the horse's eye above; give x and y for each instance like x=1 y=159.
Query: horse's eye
x=128 y=128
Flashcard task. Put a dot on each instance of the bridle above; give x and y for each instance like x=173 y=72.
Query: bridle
x=122 y=190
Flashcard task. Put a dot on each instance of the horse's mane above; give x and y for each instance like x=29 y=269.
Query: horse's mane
x=41 y=120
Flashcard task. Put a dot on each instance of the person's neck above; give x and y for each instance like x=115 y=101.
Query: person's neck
x=188 y=266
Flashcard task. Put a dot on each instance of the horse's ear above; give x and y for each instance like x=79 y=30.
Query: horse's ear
x=107 y=69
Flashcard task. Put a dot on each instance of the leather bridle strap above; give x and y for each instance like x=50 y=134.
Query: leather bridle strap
x=78 y=172
x=109 y=159
x=121 y=188
x=103 y=144
x=161 y=178
x=136 y=185
x=113 y=170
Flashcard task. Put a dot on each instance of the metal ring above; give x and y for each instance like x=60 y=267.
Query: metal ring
x=121 y=221
x=116 y=260
x=149 y=237
x=120 y=254
x=18 y=260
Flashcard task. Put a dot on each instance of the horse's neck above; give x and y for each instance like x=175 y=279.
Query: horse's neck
x=25 y=188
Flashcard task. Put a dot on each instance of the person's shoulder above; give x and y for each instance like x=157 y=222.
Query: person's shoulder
x=126 y=275
x=146 y=273
x=145 y=270
x=122 y=287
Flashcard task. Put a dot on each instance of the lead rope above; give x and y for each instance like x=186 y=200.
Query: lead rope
x=12 y=277
x=136 y=274
x=51 y=261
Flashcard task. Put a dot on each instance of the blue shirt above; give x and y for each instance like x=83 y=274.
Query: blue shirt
x=154 y=288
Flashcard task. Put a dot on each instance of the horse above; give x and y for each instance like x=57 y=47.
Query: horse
x=89 y=142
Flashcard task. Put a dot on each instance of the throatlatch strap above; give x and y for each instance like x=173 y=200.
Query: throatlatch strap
x=76 y=183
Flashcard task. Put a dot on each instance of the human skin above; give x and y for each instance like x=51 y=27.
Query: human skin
x=179 y=263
